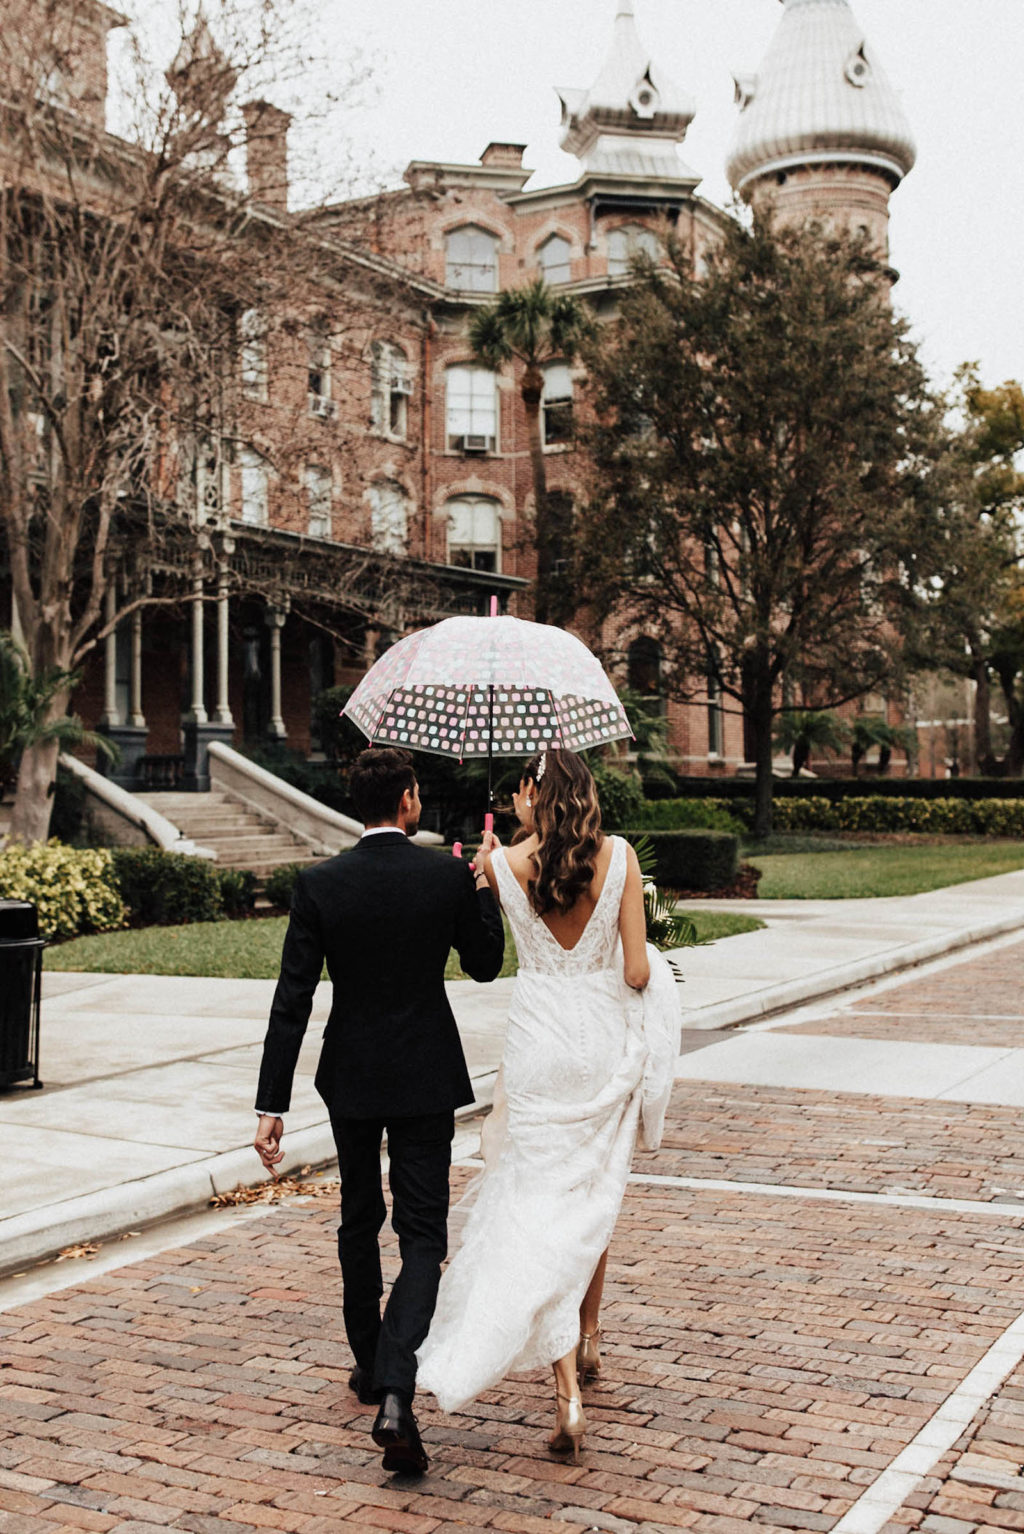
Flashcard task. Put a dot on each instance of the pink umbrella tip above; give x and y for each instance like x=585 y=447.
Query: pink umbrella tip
x=494 y=606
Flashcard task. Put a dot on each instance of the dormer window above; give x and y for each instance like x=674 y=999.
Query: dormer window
x=472 y=260
x=625 y=244
x=554 y=259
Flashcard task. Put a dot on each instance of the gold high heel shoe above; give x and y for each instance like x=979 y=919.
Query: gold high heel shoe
x=588 y=1359
x=570 y=1426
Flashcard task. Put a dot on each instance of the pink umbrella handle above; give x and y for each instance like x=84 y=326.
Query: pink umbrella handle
x=456 y=849
x=488 y=822
x=494 y=606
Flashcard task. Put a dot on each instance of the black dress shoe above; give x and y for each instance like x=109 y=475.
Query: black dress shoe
x=395 y=1431
x=360 y=1381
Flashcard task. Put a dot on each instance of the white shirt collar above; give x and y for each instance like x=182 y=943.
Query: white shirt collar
x=380 y=830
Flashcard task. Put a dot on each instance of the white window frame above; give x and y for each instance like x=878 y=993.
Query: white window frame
x=391 y=390
x=252 y=354
x=255 y=488
x=318 y=485
x=471 y=409
x=557 y=395
x=471 y=259
x=318 y=372
x=627 y=241
x=476 y=543
x=389 y=517
x=549 y=268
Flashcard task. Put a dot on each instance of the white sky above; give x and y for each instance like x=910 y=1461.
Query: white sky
x=451 y=75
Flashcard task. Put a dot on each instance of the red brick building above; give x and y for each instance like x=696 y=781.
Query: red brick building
x=365 y=439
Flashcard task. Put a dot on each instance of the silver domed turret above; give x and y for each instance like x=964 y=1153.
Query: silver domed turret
x=820 y=97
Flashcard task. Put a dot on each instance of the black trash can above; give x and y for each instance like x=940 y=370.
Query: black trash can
x=21 y=973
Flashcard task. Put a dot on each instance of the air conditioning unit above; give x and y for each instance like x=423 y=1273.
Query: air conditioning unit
x=400 y=384
x=476 y=442
x=326 y=409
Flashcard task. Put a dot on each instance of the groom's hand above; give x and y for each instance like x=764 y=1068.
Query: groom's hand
x=267 y=1143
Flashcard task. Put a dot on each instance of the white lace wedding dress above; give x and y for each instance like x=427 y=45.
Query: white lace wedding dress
x=584 y=1058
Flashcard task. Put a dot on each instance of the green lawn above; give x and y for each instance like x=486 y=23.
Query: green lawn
x=251 y=950
x=859 y=872
x=711 y=925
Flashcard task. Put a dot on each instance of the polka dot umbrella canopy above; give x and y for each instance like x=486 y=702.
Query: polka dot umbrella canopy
x=477 y=687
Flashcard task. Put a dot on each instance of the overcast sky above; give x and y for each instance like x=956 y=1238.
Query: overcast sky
x=451 y=75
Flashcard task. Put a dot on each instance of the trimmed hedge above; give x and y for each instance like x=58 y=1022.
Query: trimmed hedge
x=693 y=860
x=164 y=889
x=73 y=889
x=730 y=789
x=280 y=883
x=688 y=814
x=963 y=817
x=620 y=796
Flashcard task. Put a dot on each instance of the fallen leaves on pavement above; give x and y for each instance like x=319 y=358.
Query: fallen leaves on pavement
x=273 y=1192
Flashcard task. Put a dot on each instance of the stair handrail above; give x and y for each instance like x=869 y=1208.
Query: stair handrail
x=127 y=806
x=307 y=818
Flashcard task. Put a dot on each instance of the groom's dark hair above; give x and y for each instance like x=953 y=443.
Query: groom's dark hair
x=377 y=780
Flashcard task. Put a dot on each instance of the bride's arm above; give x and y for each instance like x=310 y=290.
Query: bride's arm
x=633 y=925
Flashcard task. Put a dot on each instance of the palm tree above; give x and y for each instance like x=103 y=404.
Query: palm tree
x=24 y=708
x=533 y=326
x=804 y=730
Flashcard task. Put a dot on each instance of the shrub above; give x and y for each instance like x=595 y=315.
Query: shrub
x=68 y=814
x=165 y=889
x=688 y=814
x=621 y=797
x=73 y=889
x=237 y=890
x=694 y=860
x=280 y=884
x=962 y=817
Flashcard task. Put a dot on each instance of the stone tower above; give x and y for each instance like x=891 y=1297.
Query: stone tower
x=821 y=133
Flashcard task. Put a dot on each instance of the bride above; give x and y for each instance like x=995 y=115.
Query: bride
x=593 y=1036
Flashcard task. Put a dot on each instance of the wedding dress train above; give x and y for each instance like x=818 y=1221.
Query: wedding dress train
x=586 y=1059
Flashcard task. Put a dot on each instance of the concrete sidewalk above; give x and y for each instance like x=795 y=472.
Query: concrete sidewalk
x=149 y=1079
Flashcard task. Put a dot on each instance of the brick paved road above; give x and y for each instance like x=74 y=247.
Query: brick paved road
x=767 y=1355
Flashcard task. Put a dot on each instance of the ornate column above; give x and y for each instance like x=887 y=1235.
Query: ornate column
x=275 y=618
x=198 y=713
x=111 y=717
x=222 y=712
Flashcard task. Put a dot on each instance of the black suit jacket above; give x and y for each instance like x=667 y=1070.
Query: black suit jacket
x=384 y=915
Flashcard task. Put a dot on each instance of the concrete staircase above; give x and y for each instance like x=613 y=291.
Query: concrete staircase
x=240 y=837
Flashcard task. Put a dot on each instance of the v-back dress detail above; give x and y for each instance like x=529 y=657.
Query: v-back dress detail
x=557 y=1149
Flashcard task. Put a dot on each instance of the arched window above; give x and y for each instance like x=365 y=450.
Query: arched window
x=644 y=672
x=252 y=336
x=556 y=404
x=471 y=409
x=472 y=260
x=255 y=487
x=625 y=244
x=389 y=517
x=474 y=532
x=554 y=259
x=392 y=387
x=319 y=487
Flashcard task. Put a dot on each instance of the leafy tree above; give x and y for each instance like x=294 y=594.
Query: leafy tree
x=869 y=731
x=806 y=730
x=764 y=441
x=969 y=561
x=533 y=326
x=26 y=715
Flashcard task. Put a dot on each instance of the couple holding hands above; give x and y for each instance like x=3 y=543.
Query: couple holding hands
x=589 y=1059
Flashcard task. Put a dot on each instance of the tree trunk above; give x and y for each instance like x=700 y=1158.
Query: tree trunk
x=757 y=702
x=33 y=796
x=531 y=391
x=983 y=753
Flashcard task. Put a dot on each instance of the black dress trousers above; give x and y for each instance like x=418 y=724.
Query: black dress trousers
x=419 y=1151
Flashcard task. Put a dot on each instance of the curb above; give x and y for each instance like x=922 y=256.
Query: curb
x=825 y=983
x=39 y=1234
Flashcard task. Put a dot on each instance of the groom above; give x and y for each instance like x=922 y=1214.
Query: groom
x=384 y=915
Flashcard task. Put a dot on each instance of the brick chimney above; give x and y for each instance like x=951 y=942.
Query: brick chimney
x=508 y=156
x=266 y=154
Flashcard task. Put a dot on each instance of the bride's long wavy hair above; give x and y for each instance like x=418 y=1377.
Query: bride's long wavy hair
x=567 y=820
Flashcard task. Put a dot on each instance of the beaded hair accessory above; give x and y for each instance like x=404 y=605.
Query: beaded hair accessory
x=540 y=767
